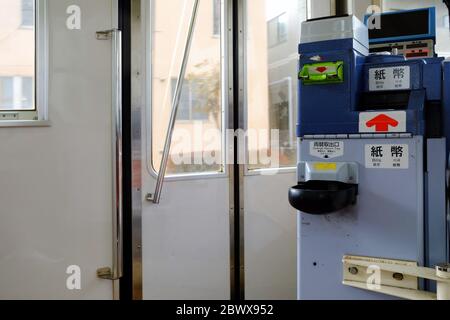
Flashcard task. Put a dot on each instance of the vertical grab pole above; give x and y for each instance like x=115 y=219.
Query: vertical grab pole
x=117 y=156
x=116 y=272
x=156 y=197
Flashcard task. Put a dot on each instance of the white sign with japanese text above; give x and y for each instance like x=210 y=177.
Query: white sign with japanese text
x=391 y=78
x=326 y=149
x=387 y=156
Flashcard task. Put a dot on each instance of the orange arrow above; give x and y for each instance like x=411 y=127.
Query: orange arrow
x=382 y=123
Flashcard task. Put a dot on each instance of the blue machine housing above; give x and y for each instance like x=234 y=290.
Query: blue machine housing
x=330 y=109
x=426 y=86
x=446 y=103
x=334 y=108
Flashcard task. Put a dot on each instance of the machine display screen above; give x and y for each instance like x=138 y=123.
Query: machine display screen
x=400 y=25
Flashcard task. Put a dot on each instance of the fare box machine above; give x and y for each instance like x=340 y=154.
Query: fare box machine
x=372 y=163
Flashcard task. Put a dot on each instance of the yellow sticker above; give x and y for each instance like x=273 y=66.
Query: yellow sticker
x=325 y=166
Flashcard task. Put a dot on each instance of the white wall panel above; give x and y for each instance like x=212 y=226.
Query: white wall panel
x=55 y=182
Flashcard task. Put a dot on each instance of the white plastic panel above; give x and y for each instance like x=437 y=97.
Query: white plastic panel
x=186 y=242
x=335 y=29
x=270 y=238
x=56 y=181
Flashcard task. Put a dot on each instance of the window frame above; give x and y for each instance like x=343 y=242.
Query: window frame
x=39 y=116
x=148 y=8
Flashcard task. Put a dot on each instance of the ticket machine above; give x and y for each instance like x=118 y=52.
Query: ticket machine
x=372 y=160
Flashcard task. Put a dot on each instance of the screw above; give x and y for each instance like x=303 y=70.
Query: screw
x=353 y=270
x=398 y=276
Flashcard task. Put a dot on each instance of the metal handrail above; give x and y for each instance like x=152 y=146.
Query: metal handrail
x=156 y=197
x=116 y=272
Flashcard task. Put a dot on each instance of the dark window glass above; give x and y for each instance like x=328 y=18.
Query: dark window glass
x=399 y=25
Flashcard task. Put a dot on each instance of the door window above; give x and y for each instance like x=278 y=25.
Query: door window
x=272 y=37
x=197 y=146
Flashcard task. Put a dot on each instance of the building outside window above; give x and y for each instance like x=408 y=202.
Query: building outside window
x=16 y=93
x=17 y=56
x=194 y=101
x=6 y=92
x=27 y=13
x=278 y=30
x=281 y=110
x=216 y=17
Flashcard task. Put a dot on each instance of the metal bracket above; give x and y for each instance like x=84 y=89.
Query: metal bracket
x=104 y=35
x=106 y=274
x=396 y=278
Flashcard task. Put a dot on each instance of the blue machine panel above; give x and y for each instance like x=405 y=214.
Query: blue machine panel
x=318 y=114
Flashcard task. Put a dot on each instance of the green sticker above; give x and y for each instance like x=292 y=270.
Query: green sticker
x=322 y=73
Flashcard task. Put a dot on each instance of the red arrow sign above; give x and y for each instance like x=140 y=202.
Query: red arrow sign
x=382 y=123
